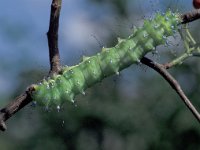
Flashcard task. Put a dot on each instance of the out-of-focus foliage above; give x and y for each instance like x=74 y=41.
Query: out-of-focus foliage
x=119 y=5
x=137 y=110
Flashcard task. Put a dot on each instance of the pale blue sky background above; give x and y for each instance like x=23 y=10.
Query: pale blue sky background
x=24 y=23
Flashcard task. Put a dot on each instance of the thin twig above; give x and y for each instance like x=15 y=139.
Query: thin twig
x=174 y=84
x=52 y=35
x=189 y=45
x=25 y=98
x=178 y=60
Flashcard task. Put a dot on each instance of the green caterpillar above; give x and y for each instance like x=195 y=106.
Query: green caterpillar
x=76 y=79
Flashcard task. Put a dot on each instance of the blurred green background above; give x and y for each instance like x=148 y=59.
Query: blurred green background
x=136 y=110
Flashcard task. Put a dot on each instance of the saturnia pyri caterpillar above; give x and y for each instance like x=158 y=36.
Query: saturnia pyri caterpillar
x=54 y=91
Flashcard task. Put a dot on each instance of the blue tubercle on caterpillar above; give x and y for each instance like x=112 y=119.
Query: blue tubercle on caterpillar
x=76 y=79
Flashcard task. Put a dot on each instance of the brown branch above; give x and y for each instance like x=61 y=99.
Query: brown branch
x=174 y=84
x=191 y=16
x=15 y=106
x=52 y=36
